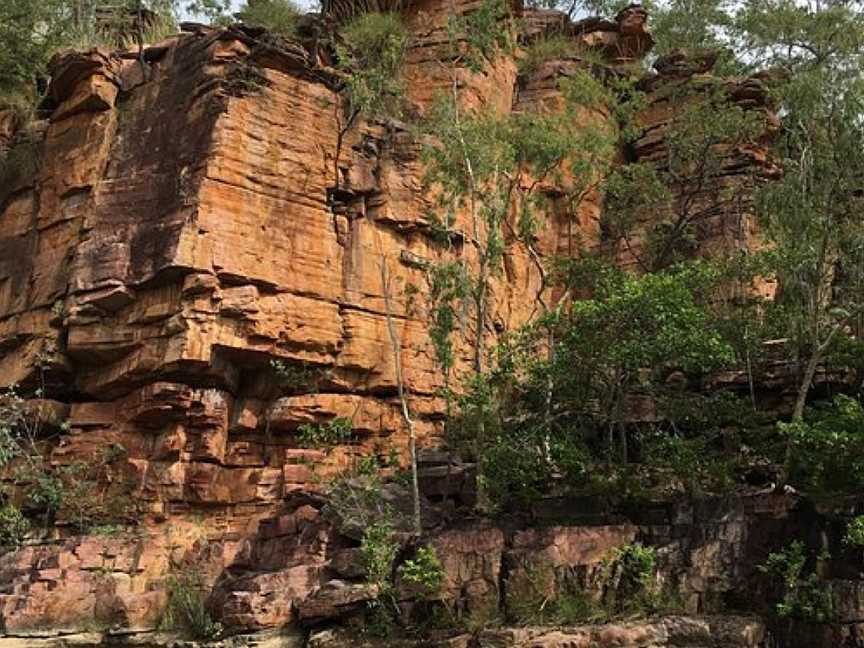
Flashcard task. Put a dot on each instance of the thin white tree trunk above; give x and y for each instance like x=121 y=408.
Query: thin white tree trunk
x=403 y=399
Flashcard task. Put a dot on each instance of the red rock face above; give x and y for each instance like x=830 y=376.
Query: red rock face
x=192 y=221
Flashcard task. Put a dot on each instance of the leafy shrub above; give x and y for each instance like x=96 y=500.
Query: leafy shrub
x=295 y=377
x=855 y=532
x=424 y=570
x=371 y=53
x=331 y=433
x=514 y=472
x=13 y=526
x=46 y=491
x=279 y=17
x=186 y=610
x=378 y=551
x=631 y=585
x=13 y=418
x=804 y=597
x=85 y=495
x=688 y=463
x=635 y=564
x=367 y=465
x=545 y=49
x=486 y=31
x=828 y=447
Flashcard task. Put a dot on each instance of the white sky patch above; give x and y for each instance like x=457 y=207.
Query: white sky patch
x=306 y=5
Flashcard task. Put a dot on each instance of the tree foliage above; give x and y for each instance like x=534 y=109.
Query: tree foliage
x=371 y=52
x=279 y=17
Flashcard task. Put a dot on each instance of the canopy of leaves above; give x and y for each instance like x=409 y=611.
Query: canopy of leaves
x=652 y=321
x=829 y=448
x=279 y=17
x=33 y=30
x=371 y=53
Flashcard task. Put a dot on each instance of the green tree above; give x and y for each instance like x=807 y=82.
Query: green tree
x=828 y=447
x=279 y=17
x=213 y=10
x=694 y=179
x=694 y=26
x=30 y=31
x=810 y=214
x=33 y=30
x=619 y=344
x=632 y=331
x=370 y=50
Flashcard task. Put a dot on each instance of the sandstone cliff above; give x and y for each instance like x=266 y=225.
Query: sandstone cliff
x=192 y=220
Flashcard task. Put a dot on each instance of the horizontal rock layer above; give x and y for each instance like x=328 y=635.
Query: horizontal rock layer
x=193 y=221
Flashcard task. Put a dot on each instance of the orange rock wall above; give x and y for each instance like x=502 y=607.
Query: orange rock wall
x=187 y=227
x=191 y=222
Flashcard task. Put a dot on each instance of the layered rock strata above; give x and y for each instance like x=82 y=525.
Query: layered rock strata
x=205 y=262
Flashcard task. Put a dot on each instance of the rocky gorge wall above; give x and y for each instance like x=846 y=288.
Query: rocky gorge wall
x=192 y=220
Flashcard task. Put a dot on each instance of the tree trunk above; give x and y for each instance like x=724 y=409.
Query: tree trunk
x=403 y=400
x=801 y=399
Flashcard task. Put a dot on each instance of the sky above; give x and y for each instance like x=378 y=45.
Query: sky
x=235 y=6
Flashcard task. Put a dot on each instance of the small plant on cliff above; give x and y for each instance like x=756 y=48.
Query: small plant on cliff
x=186 y=610
x=13 y=526
x=357 y=502
x=827 y=447
x=324 y=435
x=545 y=49
x=635 y=564
x=803 y=597
x=86 y=493
x=423 y=571
x=371 y=53
x=630 y=580
x=378 y=552
x=854 y=536
x=279 y=17
x=553 y=47
x=299 y=377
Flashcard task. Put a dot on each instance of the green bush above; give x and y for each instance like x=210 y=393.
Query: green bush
x=545 y=49
x=424 y=570
x=13 y=526
x=378 y=551
x=804 y=597
x=296 y=377
x=186 y=610
x=855 y=532
x=513 y=472
x=371 y=54
x=331 y=433
x=636 y=564
x=279 y=17
x=631 y=585
x=46 y=491
x=828 y=447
